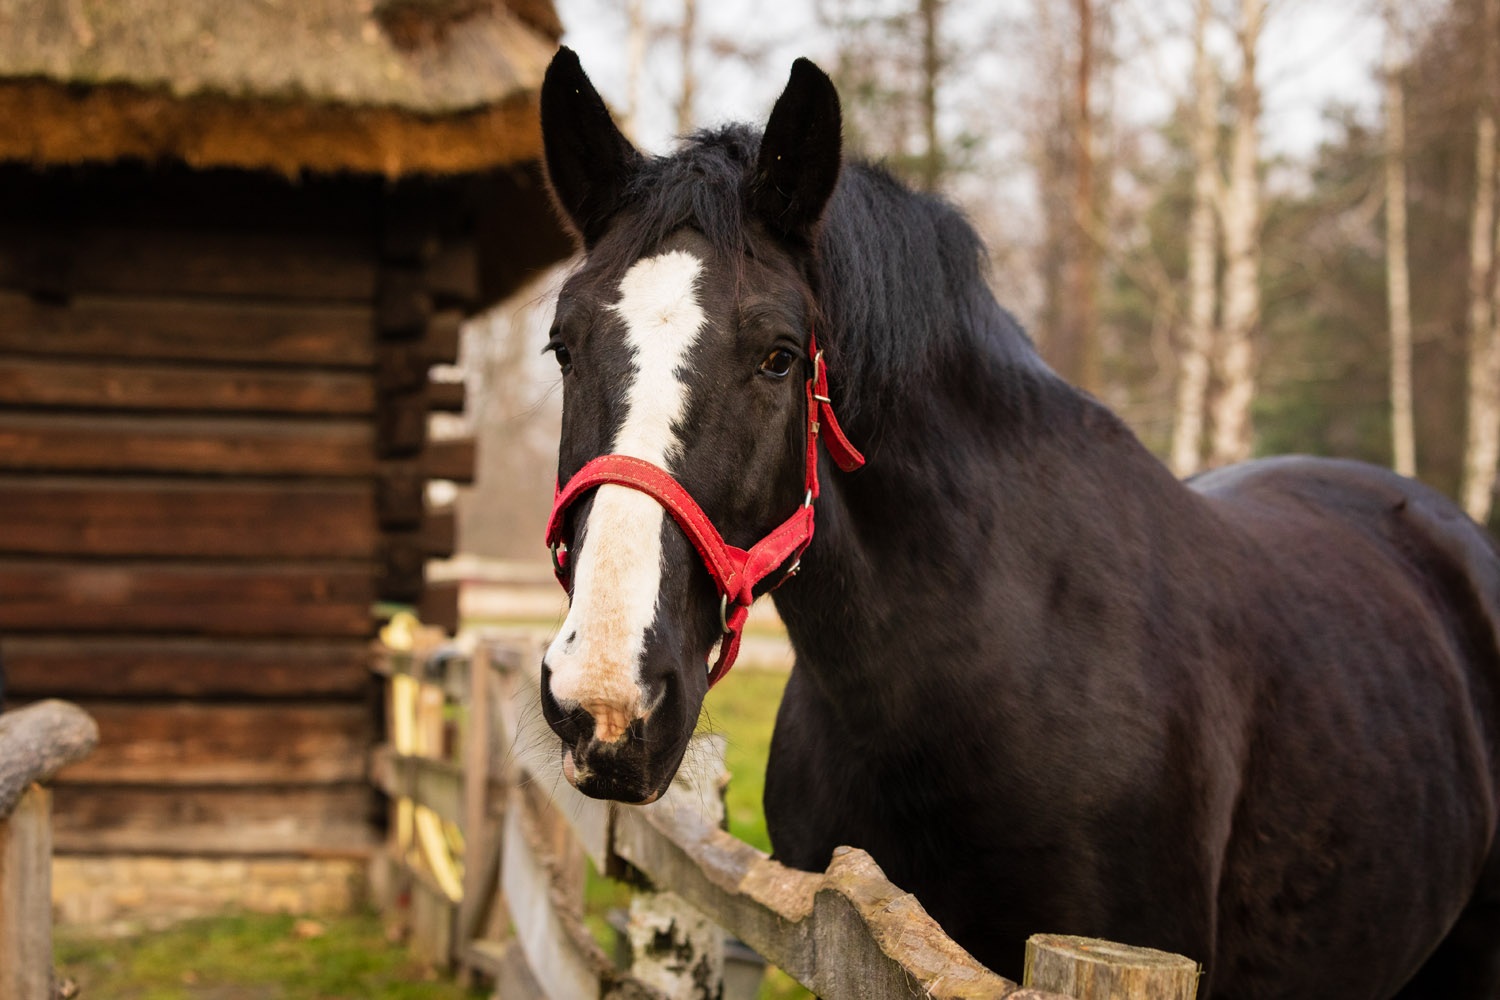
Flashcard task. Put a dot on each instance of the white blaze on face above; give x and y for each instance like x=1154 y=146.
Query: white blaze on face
x=595 y=659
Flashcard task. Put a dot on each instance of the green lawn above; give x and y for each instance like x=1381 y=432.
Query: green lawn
x=251 y=958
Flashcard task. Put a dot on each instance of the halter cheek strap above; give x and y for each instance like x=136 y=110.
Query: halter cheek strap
x=736 y=572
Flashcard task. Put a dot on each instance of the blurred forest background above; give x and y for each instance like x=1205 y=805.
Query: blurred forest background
x=1227 y=284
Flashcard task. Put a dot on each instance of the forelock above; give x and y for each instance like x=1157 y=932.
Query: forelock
x=700 y=186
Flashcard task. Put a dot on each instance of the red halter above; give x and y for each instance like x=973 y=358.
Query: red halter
x=735 y=572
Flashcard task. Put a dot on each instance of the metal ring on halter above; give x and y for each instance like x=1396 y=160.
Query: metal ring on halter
x=557 y=566
x=724 y=614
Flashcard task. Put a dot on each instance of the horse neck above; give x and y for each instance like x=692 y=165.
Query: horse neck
x=939 y=558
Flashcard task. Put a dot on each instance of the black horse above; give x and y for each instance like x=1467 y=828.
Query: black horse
x=1251 y=719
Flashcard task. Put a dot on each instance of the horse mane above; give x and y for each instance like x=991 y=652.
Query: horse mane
x=900 y=274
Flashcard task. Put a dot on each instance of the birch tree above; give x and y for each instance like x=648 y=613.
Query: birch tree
x=1398 y=280
x=1482 y=444
x=1085 y=266
x=635 y=61
x=687 y=39
x=1198 y=333
x=1240 y=213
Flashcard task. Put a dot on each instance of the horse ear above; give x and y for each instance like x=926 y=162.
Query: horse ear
x=799 y=155
x=589 y=161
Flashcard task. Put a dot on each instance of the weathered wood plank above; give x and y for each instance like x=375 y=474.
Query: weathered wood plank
x=189 y=518
x=205 y=743
x=107 y=666
x=219 y=446
x=436 y=784
x=328 y=599
x=92 y=326
x=321 y=820
x=1102 y=970
x=26 y=899
x=564 y=961
x=250 y=264
x=848 y=933
x=81 y=384
x=37 y=741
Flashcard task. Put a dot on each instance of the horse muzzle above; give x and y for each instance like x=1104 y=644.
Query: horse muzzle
x=610 y=751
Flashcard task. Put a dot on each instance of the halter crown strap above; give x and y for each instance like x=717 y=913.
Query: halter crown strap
x=735 y=571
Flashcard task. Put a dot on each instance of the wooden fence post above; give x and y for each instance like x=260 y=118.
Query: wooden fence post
x=674 y=946
x=26 y=898
x=34 y=743
x=1102 y=970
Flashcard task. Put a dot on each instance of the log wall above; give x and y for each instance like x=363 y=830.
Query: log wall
x=213 y=466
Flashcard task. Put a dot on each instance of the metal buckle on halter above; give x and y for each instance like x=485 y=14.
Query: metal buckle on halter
x=557 y=566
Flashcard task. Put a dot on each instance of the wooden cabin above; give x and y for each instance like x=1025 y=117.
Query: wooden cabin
x=234 y=237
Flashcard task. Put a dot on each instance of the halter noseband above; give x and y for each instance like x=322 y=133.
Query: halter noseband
x=735 y=571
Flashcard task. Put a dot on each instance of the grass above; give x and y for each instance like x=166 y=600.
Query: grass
x=252 y=957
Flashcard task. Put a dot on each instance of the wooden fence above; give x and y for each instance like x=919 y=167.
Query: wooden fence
x=493 y=879
x=34 y=742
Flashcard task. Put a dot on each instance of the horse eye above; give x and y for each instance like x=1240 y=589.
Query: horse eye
x=564 y=359
x=777 y=363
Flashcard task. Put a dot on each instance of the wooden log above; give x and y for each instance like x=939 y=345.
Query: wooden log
x=114 y=666
x=270 y=335
x=402 y=305
x=26 y=899
x=401 y=422
x=83 y=384
x=439 y=605
x=38 y=741
x=265 y=599
x=403 y=569
x=438 y=536
x=452 y=275
x=267 y=264
x=191 y=518
x=400 y=494
x=848 y=933
x=1102 y=970
x=446 y=397
x=444 y=338
x=450 y=458
x=198 y=445
x=215 y=744
x=196 y=821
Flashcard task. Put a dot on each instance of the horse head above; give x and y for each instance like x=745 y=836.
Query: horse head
x=691 y=404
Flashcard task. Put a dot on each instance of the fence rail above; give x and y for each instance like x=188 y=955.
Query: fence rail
x=846 y=933
x=35 y=742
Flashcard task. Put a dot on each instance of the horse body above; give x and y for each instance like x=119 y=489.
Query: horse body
x=1048 y=687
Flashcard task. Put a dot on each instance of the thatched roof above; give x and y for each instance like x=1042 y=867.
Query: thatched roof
x=388 y=86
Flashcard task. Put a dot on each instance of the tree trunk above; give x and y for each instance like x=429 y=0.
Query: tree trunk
x=1085 y=267
x=1198 y=336
x=635 y=60
x=1482 y=447
x=932 y=161
x=687 y=40
x=1232 y=431
x=1398 y=281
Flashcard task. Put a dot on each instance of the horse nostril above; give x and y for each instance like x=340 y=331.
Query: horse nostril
x=571 y=725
